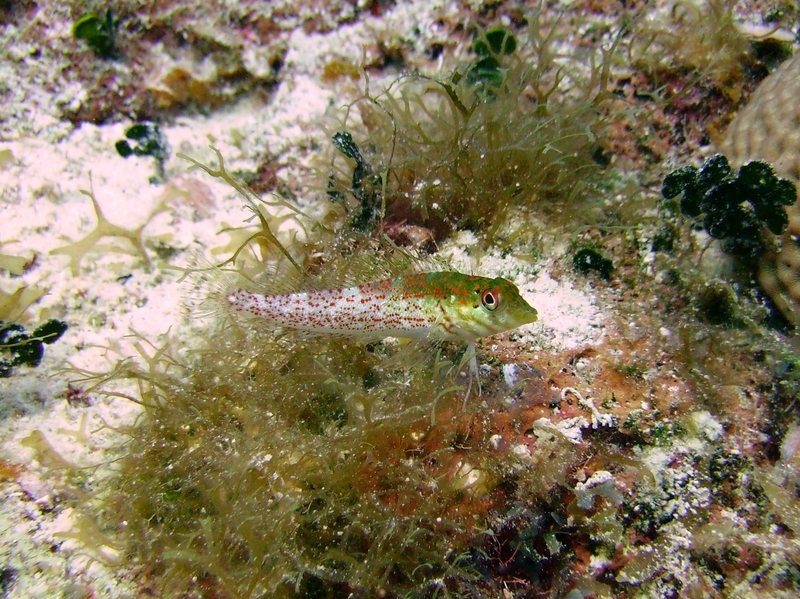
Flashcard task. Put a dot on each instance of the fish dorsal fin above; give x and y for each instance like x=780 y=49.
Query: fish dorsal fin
x=353 y=260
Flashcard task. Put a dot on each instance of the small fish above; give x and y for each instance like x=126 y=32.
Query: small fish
x=434 y=305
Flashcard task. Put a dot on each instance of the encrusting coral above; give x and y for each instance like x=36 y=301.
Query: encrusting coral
x=768 y=128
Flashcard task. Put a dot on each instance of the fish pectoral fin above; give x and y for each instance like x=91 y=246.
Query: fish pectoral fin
x=471 y=360
x=410 y=353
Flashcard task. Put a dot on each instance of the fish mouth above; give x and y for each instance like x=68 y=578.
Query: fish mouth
x=528 y=316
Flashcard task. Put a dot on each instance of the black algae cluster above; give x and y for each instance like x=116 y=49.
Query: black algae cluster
x=26 y=348
x=145 y=139
x=735 y=207
x=365 y=184
x=588 y=261
x=99 y=33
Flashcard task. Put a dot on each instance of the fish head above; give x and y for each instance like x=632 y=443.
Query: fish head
x=482 y=306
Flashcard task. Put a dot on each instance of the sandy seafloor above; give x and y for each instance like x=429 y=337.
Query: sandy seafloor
x=48 y=161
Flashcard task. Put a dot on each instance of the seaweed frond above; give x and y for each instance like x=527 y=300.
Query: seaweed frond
x=78 y=250
x=252 y=201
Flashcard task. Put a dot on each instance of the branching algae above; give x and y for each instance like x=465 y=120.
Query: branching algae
x=287 y=466
x=104 y=228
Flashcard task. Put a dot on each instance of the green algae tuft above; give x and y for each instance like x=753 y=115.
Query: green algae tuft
x=98 y=33
x=278 y=466
x=518 y=127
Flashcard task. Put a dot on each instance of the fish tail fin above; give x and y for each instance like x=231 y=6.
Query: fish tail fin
x=208 y=287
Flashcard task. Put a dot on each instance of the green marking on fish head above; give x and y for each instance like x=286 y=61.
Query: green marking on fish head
x=502 y=307
x=478 y=306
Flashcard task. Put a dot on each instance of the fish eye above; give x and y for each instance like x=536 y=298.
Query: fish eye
x=491 y=299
